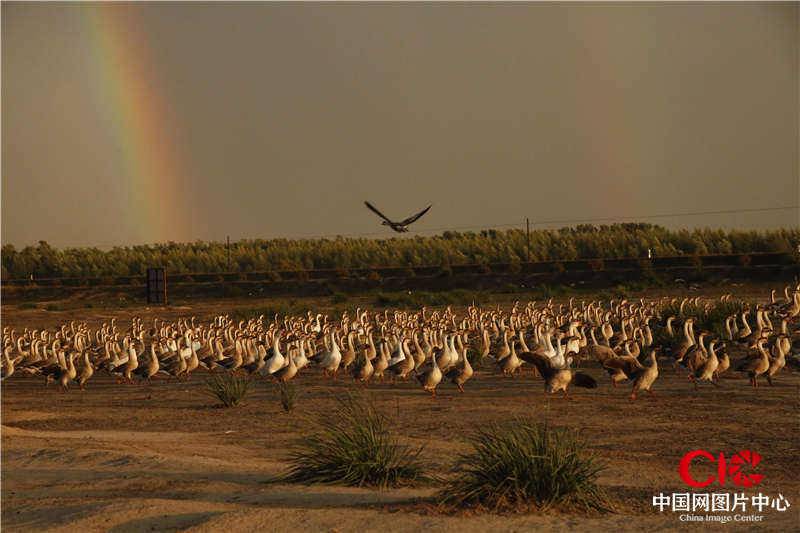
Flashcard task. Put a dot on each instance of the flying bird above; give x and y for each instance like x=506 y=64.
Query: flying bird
x=401 y=226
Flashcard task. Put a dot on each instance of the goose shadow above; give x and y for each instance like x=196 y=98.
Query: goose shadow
x=173 y=522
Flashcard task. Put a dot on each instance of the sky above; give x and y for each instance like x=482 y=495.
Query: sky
x=137 y=123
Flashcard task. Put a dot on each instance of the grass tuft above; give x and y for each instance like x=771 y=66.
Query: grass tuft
x=228 y=388
x=355 y=448
x=525 y=464
x=708 y=316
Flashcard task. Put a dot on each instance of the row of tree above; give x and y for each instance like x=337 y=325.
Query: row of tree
x=582 y=242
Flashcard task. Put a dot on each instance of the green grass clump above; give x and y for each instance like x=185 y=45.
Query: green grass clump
x=287 y=395
x=269 y=311
x=228 y=388
x=707 y=316
x=355 y=448
x=525 y=464
x=27 y=305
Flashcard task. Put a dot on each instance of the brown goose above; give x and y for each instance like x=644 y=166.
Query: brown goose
x=511 y=363
x=696 y=355
x=777 y=363
x=620 y=368
x=460 y=373
x=87 y=371
x=363 y=371
x=645 y=377
x=595 y=350
x=724 y=362
x=405 y=365
x=756 y=366
x=706 y=370
x=556 y=379
x=348 y=352
x=148 y=369
x=381 y=361
x=680 y=348
x=431 y=378
x=68 y=374
x=287 y=372
x=8 y=369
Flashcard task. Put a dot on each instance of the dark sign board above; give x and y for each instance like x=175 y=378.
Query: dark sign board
x=156 y=286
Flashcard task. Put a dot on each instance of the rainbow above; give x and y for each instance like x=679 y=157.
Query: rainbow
x=152 y=176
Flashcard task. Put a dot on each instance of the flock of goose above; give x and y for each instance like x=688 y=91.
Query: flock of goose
x=431 y=345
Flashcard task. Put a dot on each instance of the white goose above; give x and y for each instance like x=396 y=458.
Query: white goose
x=330 y=362
x=276 y=360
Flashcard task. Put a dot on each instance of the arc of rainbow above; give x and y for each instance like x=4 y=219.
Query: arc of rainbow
x=141 y=122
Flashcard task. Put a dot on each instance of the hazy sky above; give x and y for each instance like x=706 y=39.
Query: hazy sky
x=140 y=123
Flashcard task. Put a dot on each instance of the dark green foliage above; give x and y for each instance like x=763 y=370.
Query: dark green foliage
x=417 y=299
x=707 y=316
x=525 y=464
x=475 y=357
x=27 y=305
x=339 y=297
x=269 y=311
x=228 y=388
x=345 y=254
x=355 y=448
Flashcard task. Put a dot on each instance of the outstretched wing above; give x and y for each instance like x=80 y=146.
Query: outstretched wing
x=584 y=380
x=628 y=365
x=372 y=208
x=541 y=362
x=409 y=220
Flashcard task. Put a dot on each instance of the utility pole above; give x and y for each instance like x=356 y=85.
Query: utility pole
x=229 y=253
x=528 y=251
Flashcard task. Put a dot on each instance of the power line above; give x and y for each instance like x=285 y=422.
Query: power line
x=520 y=224
x=605 y=219
x=672 y=215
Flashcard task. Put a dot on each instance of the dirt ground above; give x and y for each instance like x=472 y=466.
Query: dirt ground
x=130 y=458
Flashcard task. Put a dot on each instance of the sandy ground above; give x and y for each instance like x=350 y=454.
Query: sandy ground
x=130 y=458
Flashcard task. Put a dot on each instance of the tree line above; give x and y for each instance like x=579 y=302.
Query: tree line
x=585 y=241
